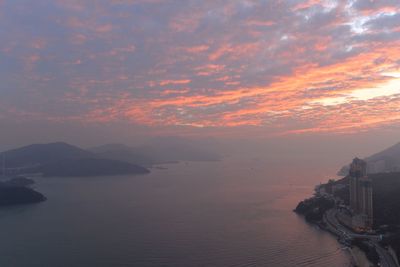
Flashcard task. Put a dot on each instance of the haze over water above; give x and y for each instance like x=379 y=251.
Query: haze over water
x=236 y=212
x=307 y=84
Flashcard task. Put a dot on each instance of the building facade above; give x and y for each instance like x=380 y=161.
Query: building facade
x=361 y=195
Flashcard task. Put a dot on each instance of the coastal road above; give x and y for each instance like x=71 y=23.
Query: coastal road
x=385 y=258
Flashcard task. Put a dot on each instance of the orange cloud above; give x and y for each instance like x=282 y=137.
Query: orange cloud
x=287 y=96
x=286 y=67
x=197 y=49
x=265 y=23
x=104 y=28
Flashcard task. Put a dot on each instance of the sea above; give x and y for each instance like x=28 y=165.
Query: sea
x=233 y=212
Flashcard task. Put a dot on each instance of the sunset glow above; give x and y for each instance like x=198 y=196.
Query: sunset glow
x=287 y=67
x=200 y=133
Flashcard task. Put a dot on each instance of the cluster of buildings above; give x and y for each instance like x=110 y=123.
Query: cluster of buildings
x=360 y=195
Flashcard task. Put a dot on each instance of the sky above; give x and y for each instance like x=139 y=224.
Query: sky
x=96 y=70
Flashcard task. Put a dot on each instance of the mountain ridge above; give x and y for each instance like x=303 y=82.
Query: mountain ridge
x=157 y=151
x=62 y=159
x=387 y=160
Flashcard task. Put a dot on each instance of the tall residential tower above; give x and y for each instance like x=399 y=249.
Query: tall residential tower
x=360 y=195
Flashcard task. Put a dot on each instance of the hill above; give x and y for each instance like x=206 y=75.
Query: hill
x=386 y=204
x=181 y=149
x=387 y=160
x=38 y=154
x=123 y=153
x=89 y=167
x=386 y=197
x=62 y=159
x=158 y=150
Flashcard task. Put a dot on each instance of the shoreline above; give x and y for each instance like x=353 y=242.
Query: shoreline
x=358 y=258
x=320 y=211
x=356 y=255
x=364 y=249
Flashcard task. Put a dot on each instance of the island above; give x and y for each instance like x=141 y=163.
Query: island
x=12 y=193
x=88 y=167
x=64 y=160
x=52 y=160
x=60 y=159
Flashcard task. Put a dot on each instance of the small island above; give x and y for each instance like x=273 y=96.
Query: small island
x=16 y=192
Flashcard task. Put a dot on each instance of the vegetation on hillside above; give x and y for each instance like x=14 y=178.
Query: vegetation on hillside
x=314 y=208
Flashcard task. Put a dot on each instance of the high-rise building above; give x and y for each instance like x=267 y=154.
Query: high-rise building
x=361 y=194
x=358 y=170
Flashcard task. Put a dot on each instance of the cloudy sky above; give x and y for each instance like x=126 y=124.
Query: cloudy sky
x=238 y=67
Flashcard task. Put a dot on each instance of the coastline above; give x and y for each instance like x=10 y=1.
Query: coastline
x=326 y=221
x=365 y=249
x=358 y=258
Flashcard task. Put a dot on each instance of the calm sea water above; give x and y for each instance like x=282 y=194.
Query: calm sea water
x=228 y=213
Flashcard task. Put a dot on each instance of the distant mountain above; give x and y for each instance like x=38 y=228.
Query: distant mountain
x=180 y=149
x=160 y=150
x=89 y=167
x=122 y=153
x=38 y=154
x=61 y=159
x=387 y=160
